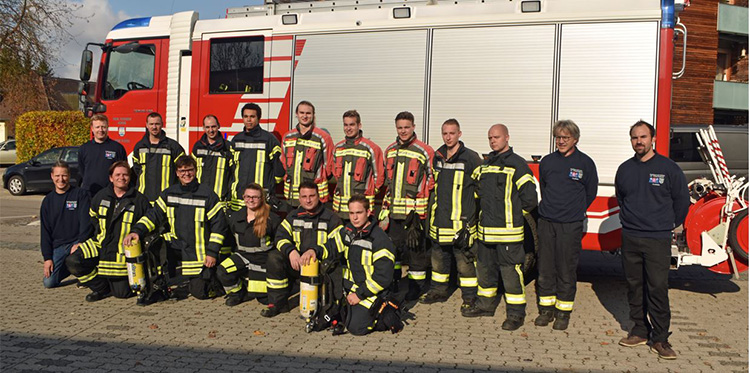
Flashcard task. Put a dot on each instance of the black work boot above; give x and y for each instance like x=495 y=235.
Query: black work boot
x=95 y=296
x=233 y=300
x=415 y=289
x=475 y=311
x=273 y=310
x=512 y=322
x=546 y=315
x=433 y=297
x=562 y=318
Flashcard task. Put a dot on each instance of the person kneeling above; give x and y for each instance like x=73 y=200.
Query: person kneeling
x=368 y=256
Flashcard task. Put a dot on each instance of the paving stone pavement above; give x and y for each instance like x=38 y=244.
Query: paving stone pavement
x=57 y=331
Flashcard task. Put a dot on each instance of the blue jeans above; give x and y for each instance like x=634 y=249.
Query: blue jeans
x=59 y=269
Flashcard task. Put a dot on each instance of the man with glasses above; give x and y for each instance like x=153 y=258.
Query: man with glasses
x=196 y=222
x=154 y=159
x=569 y=182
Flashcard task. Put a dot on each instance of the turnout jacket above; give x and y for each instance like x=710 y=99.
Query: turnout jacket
x=408 y=177
x=247 y=241
x=454 y=206
x=256 y=160
x=302 y=230
x=358 y=169
x=112 y=218
x=368 y=256
x=307 y=157
x=195 y=219
x=506 y=190
x=154 y=166
x=215 y=165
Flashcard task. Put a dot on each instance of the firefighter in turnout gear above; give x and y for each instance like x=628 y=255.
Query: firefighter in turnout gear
x=506 y=191
x=196 y=222
x=409 y=181
x=453 y=218
x=568 y=185
x=300 y=234
x=368 y=256
x=257 y=158
x=357 y=166
x=243 y=274
x=308 y=155
x=154 y=158
x=99 y=262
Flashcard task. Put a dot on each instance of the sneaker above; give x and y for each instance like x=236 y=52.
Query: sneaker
x=475 y=311
x=545 y=317
x=433 y=297
x=512 y=322
x=272 y=310
x=95 y=296
x=664 y=349
x=561 y=321
x=633 y=340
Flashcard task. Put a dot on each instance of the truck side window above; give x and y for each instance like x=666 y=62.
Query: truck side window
x=236 y=65
x=129 y=71
x=683 y=147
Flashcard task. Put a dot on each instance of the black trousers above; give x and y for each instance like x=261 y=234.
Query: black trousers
x=244 y=274
x=442 y=258
x=418 y=260
x=496 y=262
x=646 y=262
x=559 y=250
x=360 y=320
x=85 y=271
x=280 y=277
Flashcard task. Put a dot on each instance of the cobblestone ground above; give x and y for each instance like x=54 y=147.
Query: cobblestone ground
x=57 y=331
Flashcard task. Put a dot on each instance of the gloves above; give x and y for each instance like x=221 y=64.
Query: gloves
x=413 y=226
x=383 y=220
x=462 y=239
x=529 y=261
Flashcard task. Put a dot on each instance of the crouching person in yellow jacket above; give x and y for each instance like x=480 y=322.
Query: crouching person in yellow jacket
x=368 y=257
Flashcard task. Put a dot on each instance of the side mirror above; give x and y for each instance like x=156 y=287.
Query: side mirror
x=34 y=163
x=87 y=62
x=83 y=88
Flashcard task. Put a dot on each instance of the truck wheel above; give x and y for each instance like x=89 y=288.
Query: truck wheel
x=16 y=185
x=530 y=246
x=738 y=235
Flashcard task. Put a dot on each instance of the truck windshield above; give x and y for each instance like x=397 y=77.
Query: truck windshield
x=129 y=71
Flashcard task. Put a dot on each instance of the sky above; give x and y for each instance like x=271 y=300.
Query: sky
x=95 y=18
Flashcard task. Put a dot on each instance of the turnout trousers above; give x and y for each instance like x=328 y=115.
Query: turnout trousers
x=244 y=275
x=280 y=277
x=501 y=261
x=646 y=262
x=417 y=260
x=442 y=258
x=86 y=272
x=559 y=250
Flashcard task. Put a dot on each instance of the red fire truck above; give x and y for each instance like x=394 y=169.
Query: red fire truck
x=525 y=63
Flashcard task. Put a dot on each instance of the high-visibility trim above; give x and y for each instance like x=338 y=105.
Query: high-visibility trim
x=383 y=253
x=467 y=282
x=277 y=284
x=417 y=275
x=112 y=271
x=102 y=223
x=142 y=176
x=260 y=165
x=225 y=250
x=172 y=225
x=214 y=210
x=165 y=168
x=200 y=235
x=150 y=226
x=456 y=195
x=216 y=238
x=515 y=298
x=127 y=222
x=192 y=268
x=234 y=288
x=92 y=213
x=440 y=277
x=255 y=286
x=86 y=278
x=547 y=301
x=486 y=292
x=508 y=201
x=564 y=305
x=161 y=204
x=194 y=202
x=523 y=180
x=228 y=265
x=367 y=302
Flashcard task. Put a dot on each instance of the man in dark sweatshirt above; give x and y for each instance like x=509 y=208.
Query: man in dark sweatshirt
x=96 y=156
x=65 y=224
x=654 y=199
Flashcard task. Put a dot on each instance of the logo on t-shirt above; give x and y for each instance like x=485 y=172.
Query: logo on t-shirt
x=109 y=154
x=71 y=205
x=575 y=174
x=656 y=179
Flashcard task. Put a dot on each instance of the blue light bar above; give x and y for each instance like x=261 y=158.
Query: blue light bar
x=133 y=22
x=667 y=14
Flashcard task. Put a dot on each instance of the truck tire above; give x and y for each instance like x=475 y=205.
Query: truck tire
x=738 y=235
x=530 y=246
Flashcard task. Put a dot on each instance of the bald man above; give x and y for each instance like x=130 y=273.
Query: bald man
x=506 y=191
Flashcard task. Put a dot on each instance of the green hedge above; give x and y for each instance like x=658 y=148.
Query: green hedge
x=37 y=131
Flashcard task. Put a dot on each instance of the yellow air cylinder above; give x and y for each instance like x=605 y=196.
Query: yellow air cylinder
x=136 y=268
x=308 y=289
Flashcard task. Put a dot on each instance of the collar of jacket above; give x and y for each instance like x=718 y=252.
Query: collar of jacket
x=443 y=151
x=130 y=193
x=162 y=137
x=495 y=157
x=354 y=140
x=308 y=135
x=255 y=131
x=408 y=142
x=218 y=145
x=315 y=212
x=190 y=187
x=361 y=233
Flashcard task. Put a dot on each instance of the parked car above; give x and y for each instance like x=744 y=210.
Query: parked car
x=34 y=175
x=8 y=152
x=683 y=149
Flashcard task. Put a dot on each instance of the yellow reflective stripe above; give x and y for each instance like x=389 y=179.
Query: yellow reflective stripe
x=127 y=222
x=225 y=250
x=216 y=238
x=564 y=305
x=219 y=182
x=228 y=265
x=165 y=167
x=102 y=223
x=260 y=165
x=440 y=277
x=255 y=286
x=508 y=201
x=236 y=156
x=515 y=298
x=523 y=180
x=277 y=284
x=148 y=223
x=458 y=189
x=383 y=253
x=171 y=220
x=192 y=268
x=92 y=213
x=547 y=301
x=399 y=182
x=142 y=176
x=200 y=239
x=417 y=275
x=86 y=278
x=486 y=292
x=342 y=152
x=199 y=167
x=161 y=204
x=467 y=282
x=214 y=210
x=520 y=279
x=367 y=302
x=233 y=289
